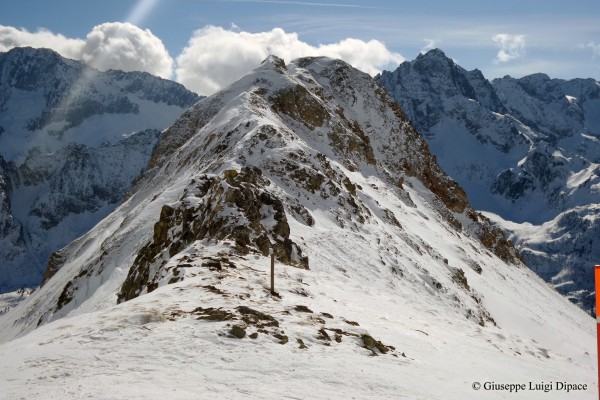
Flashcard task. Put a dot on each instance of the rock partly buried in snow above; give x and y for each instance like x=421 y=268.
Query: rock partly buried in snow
x=238 y=331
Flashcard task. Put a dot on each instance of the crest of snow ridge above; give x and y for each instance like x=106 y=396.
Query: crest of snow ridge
x=284 y=142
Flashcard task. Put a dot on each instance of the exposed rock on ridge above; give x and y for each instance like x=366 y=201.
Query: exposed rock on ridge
x=236 y=207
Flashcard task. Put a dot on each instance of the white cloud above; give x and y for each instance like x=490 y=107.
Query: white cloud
x=511 y=46
x=430 y=44
x=113 y=45
x=216 y=57
x=595 y=47
x=12 y=37
x=118 y=45
x=369 y=57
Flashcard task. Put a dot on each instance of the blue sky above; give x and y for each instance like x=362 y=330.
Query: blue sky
x=499 y=37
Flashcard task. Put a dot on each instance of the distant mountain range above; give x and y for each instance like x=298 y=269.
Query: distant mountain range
x=526 y=151
x=72 y=142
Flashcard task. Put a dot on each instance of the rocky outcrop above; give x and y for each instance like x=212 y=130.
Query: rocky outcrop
x=298 y=103
x=235 y=206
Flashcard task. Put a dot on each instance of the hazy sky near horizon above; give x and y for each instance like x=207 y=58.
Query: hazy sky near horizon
x=206 y=44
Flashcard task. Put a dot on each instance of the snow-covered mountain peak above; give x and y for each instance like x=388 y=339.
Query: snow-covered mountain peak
x=73 y=139
x=434 y=56
x=70 y=102
x=307 y=146
x=525 y=149
x=275 y=61
x=376 y=248
x=432 y=77
x=38 y=62
x=434 y=60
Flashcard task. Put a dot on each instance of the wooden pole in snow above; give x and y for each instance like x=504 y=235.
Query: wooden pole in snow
x=597 y=279
x=272 y=272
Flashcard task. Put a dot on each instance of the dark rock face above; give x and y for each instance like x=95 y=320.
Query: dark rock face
x=11 y=230
x=493 y=237
x=233 y=207
x=82 y=179
x=6 y=170
x=297 y=103
x=55 y=261
x=512 y=186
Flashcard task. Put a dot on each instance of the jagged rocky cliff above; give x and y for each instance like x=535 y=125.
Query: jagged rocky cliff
x=72 y=141
x=527 y=150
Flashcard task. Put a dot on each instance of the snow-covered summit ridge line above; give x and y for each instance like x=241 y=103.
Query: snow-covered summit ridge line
x=311 y=128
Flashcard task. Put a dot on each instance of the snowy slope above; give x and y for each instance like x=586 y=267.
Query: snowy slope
x=388 y=283
x=156 y=347
x=524 y=149
x=72 y=141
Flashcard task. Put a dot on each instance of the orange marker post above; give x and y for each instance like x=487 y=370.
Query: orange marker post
x=597 y=277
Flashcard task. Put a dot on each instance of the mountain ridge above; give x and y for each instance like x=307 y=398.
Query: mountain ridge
x=72 y=141
x=312 y=160
x=526 y=150
x=346 y=137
